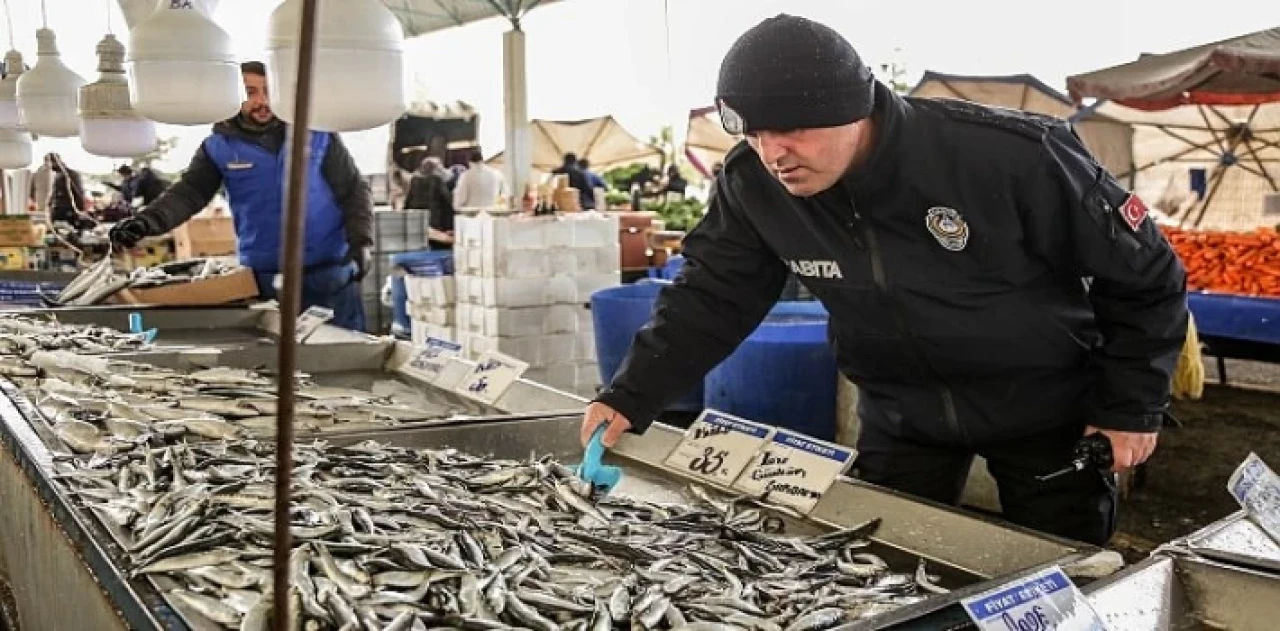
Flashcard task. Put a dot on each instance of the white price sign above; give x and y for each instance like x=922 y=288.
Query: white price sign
x=1257 y=488
x=310 y=321
x=1044 y=601
x=493 y=374
x=794 y=470
x=717 y=447
x=433 y=356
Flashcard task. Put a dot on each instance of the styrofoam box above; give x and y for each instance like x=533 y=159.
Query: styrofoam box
x=537 y=350
x=419 y=331
x=523 y=321
x=435 y=290
x=531 y=292
x=522 y=232
x=440 y=316
x=605 y=259
x=572 y=376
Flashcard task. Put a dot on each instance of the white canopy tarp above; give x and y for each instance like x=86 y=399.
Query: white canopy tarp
x=706 y=142
x=1110 y=141
x=602 y=141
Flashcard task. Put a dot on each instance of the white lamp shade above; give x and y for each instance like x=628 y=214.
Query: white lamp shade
x=359 y=46
x=15 y=149
x=10 y=113
x=118 y=137
x=183 y=69
x=48 y=93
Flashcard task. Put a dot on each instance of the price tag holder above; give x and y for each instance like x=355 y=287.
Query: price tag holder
x=1044 y=601
x=1257 y=488
x=493 y=374
x=435 y=353
x=794 y=470
x=311 y=319
x=717 y=447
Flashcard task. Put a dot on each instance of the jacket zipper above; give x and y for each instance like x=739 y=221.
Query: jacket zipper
x=878 y=275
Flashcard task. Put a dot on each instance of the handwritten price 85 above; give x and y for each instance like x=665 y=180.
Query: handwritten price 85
x=711 y=462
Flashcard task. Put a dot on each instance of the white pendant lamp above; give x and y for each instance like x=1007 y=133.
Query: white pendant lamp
x=10 y=113
x=109 y=126
x=47 y=93
x=358 y=64
x=182 y=67
x=15 y=148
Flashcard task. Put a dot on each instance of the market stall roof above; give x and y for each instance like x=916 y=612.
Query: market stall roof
x=706 y=142
x=418 y=17
x=1243 y=70
x=602 y=141
x=1110 y=141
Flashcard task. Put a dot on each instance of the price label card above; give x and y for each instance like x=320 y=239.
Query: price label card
x=493 y=374
x=794 y=470
x=1257 y=488
x=1044 y=601
x=434 y=354
x=717 y=447
x=310 y=321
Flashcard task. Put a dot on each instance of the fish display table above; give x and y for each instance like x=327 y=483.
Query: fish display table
x=54 y=543
x=1173 y=592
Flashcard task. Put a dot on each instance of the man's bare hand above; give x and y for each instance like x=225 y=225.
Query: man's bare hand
x=598 y=413
x=1129 y=449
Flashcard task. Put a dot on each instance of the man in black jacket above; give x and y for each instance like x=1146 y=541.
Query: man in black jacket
x=246 y=155
x=993 y=291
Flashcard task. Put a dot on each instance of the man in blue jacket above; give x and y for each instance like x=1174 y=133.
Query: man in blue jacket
x=246 y=154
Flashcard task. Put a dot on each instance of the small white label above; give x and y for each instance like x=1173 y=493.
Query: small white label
x=717 y=447
x=433 y=355
x=794 y=470
x=493 y=374
x=311 y=319
x=1257 y=488
x=1044 y=601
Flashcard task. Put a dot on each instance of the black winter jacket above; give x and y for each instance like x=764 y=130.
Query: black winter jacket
x=986 y=280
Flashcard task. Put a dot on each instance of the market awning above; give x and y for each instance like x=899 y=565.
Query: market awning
x=418 y=17
x=706 y=141
x=1242 y=70
x=602 y=141
x=1110 y=140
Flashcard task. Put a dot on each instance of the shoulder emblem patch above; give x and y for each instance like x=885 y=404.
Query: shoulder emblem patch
x=948 y=227
x=1133 y=211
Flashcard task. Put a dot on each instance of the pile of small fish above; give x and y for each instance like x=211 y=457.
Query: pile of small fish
x=393 y=538
x=23 y=336
x=101 y=281
x=107 y=405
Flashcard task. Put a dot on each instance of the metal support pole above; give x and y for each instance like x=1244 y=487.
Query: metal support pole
x=290 y=304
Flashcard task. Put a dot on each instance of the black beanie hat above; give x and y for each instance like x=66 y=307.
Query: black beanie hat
x=792 y=73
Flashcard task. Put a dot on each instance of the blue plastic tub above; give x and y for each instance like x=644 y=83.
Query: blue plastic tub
x=418 y=263
x=784 y=374
x=618 y=312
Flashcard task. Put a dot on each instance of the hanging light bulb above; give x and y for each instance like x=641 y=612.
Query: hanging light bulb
x=15 y=148
x=182 y=67
x=109 y=126
x=47 y=93
x=359 y=47
x=10 y=113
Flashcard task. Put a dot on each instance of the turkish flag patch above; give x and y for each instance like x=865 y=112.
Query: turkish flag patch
x=1133 y=211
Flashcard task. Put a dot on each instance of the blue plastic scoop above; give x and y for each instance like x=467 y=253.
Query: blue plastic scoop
x=601 y=476
x=135 y=327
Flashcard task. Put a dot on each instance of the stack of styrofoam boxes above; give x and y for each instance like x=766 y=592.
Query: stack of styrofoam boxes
x=431 y=305
x=523 y=286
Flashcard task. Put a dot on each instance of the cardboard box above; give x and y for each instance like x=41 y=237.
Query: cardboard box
x=19 y=231
x=219 y=290
x=205 y=236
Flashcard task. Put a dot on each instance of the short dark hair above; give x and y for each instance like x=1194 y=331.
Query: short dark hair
x=475 y=156
x=570 y=158
x=125 y=170
x=253 y=68
x=583 y=164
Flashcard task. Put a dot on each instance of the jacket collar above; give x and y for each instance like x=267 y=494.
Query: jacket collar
x=889 y=117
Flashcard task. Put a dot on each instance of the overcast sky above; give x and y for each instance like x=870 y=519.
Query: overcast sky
x=592 y=57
